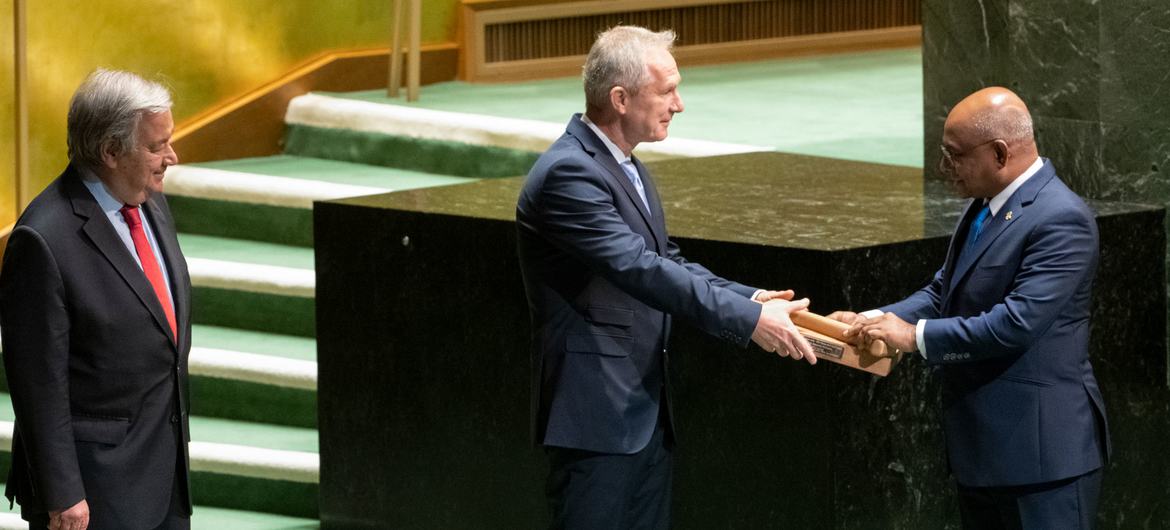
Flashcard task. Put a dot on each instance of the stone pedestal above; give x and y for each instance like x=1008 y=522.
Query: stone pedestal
x=423 y=341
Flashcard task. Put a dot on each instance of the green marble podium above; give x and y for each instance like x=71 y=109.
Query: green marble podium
x=424 y=357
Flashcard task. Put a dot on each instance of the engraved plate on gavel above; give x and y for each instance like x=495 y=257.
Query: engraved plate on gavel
x=827 y=338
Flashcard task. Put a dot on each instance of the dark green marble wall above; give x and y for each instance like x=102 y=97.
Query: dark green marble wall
x=1094 y=73
x=1096 y=77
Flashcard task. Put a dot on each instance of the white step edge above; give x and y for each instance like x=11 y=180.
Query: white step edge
x=253 y=368
x=12 y=521
x=318 y=110
x=254 y=188
x=236 y=460
x=255 y=462
x=266 y=279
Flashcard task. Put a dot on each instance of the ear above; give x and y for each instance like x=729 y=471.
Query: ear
x=1001 y=152
x=619 y=99
x=110 y=154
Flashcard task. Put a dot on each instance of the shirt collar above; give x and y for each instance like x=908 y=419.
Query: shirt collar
x=1000 y=198
x=613 y=148
x=97 y=188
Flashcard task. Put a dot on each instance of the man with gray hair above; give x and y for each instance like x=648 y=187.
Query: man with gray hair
x=95 y=312
x=603 y=282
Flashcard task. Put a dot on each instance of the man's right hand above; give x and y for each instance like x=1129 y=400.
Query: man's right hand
x=775 y=331
x=75 y=517
x=848 y=317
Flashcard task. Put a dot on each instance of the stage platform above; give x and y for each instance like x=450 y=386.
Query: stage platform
x=854 y=106
x=423 y=338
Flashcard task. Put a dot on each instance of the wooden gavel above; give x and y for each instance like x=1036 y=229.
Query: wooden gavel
x=827 y=337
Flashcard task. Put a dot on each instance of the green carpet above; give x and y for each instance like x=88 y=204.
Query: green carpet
x=224 y=338
x=433 y=156
x=209 y=518
x=246 y=251
x=285 y=315
x=858 y=106
x=225 y=431
x=237 y=220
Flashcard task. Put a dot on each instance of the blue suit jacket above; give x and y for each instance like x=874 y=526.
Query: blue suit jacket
x=1008 y=330
x=602 y=281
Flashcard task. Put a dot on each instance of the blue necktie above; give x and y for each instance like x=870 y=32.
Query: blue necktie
x=977 y=225
x=632 y=173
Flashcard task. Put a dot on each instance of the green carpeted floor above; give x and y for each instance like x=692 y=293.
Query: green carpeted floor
x=225 y=431
x=243 y=251
x=258 y=342
x=858 y=106
x=210 y=518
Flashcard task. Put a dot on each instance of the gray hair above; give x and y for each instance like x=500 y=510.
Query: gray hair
x=1010 y=123
x=618 y=58
x=105 y=112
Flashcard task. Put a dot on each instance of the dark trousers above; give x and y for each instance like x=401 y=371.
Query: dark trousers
x=1068 y=504
x=588 y=490
x=176 y=518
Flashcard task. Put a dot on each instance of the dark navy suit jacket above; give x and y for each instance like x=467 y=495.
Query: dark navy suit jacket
x=98 y=383
x=1008 y=330
x=602 y=281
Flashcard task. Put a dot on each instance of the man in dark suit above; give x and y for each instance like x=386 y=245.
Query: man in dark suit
x=1005 y=323
x=603 y=281
x=95 y=312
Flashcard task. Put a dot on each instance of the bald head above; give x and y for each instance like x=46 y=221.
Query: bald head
x=994 y=112
x=987 y=142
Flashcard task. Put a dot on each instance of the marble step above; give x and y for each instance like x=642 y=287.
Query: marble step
x=270 y=198
x=270 y=467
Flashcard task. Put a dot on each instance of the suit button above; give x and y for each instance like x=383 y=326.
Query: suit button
x=174 y=418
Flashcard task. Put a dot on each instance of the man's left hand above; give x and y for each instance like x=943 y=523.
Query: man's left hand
x=897 y=333
x=764 y=296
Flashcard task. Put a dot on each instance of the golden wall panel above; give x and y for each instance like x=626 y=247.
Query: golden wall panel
x=207 y=51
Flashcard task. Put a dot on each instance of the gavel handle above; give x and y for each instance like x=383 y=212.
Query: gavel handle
x=832 y=328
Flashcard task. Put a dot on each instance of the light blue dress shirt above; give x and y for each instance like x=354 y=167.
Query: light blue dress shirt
x=111 y=206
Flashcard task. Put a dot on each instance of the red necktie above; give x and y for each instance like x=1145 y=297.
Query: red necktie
x=150 y=264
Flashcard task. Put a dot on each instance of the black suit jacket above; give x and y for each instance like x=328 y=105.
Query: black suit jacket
x=98 y=384
x=603 y=281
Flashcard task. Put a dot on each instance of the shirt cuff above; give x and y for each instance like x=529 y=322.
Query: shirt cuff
x=755 y=294
x=871 y=313
x=920 y=337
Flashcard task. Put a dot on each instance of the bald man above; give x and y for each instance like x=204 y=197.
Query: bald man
x=1005 y=323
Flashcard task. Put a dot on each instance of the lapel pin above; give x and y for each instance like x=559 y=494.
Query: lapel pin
x=1008 y=216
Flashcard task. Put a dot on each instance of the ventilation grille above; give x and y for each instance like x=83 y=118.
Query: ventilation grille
x=698 y=25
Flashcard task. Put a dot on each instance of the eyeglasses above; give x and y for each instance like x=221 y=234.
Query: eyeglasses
x=949 y=156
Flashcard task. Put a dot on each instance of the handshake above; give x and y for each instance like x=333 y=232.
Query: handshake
x=870 y=344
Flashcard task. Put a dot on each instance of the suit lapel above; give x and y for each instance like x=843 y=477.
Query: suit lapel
x=176 y=265
x=597 y=149
x=1017 y=204
x=99 y=230
x=657 y=217
x=958 y=240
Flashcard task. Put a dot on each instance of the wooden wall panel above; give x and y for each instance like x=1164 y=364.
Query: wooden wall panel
x=505 y=41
